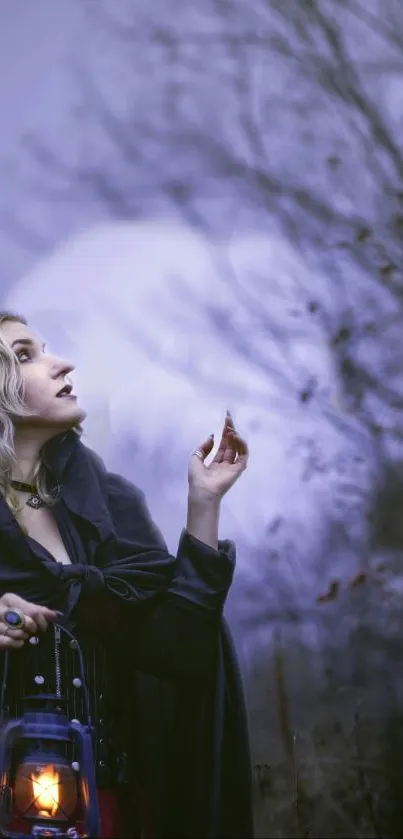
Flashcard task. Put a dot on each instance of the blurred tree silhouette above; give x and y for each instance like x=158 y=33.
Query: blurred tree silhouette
x=281 y=118
x=277 y=116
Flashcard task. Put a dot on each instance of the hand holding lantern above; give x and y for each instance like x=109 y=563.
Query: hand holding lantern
x=47 y=771
x=19 y=619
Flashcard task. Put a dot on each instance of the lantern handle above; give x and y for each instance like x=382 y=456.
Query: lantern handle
x=78 y=650
x=82 y=672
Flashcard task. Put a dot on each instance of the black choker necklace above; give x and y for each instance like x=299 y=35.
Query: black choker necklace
x=34 y=500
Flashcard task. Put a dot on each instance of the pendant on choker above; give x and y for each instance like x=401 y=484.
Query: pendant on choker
x=34 y=499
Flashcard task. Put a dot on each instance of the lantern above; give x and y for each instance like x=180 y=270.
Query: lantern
x=47 y=769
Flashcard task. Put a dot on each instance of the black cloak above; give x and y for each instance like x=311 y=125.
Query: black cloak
x=174 y=672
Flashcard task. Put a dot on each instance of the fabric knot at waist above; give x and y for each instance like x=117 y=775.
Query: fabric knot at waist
x=91 y=577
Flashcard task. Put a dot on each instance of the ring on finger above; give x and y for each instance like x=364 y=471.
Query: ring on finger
x=199 y=453
x=14 y=618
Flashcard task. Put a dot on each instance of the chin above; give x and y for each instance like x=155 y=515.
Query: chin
x=45 y=427
x=76 y=418
x=71 y=418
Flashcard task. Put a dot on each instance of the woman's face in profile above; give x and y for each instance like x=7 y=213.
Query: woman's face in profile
x=44 y=377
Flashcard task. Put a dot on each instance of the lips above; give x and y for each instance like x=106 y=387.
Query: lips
x=64 y=391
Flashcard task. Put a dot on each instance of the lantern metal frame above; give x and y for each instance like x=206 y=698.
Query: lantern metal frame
x=49 y=724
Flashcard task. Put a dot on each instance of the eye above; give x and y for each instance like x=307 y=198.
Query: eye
x=23 y=355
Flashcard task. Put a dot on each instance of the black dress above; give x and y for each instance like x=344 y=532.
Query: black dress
x=165 y=689
x=49 y=664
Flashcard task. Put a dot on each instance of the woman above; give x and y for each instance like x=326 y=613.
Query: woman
x=170 y=737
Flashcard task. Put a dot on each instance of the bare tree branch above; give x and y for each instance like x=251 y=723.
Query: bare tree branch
x=210 y=127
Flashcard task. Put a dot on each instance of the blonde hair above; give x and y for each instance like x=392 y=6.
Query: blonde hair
x=12 y=406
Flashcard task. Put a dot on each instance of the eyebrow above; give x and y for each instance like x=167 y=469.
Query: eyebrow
x=26 y=342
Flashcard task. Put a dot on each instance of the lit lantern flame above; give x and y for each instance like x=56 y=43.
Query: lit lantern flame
x=45 y=784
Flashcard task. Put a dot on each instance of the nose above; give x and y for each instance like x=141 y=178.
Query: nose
x=61 y=367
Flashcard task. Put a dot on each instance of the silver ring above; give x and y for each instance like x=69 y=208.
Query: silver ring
x=199 y=453
x=14 y=618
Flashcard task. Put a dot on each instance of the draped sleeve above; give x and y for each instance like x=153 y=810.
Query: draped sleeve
x=167 y=610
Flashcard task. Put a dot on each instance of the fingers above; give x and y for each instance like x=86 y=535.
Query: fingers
x=15 y=634
x=229 y=421
x=32 y=610
x=40 y=616
x=205 y=448
x=236 y=451
x=36 y=617
x=230 y=437
x=7 y=643
x=41 y=622
x=242 y=452
x=233 y=448
x=30 y=626
x=228 y=427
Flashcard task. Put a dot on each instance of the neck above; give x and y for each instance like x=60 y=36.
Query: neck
x=27 y=450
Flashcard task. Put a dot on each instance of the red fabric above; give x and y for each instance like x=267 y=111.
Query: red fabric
x=112 y=824
x=111 y=821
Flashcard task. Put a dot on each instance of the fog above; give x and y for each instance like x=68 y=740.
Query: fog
x=194 y=230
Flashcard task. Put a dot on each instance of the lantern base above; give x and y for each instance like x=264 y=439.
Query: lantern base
x=44 y=830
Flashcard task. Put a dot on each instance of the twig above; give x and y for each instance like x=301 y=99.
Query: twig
x=362 y=780
x=288 y=735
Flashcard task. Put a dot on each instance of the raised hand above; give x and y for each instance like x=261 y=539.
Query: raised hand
x=230 y=461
